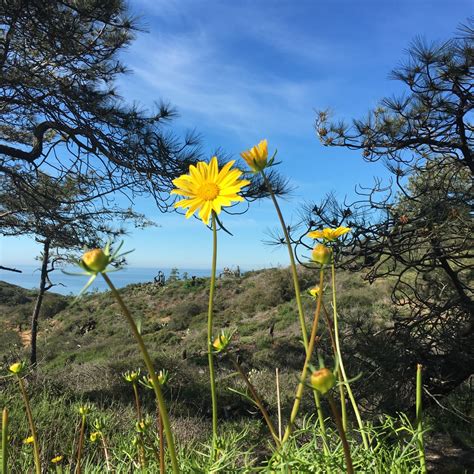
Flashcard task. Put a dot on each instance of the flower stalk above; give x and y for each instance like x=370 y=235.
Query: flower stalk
x=341 y=363
x=149 y=364
x=162 y=441
x=309 y=353
x=5 y=441
x=258 y=401
x=342 y=435
x=299 y=304
x=419 y=416
x=342 y=395
x=31 y=423
x=210 y=316
x=294 y=274
x=81 y=443
x=141 y=447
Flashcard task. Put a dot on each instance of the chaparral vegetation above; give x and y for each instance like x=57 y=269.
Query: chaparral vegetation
x=357 y=357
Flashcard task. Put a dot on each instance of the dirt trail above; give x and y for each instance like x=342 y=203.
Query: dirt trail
x=25 y=337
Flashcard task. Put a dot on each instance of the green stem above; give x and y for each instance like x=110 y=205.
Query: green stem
x=210 y=314
x=29 y=415
x=299 y=304
x=162 y=444
x=294 y=273
x=141 y=451
x=309 y=352
x=341 y=363
x=81 y=444
x=257 y=401
x=4 y=441
x=149 y=365
x=141 y=447
x=137 y=402
x=342 y=435
x=419 y=416
x=339 y=374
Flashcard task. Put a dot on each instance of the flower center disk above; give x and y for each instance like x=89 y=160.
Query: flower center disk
x=208 y=191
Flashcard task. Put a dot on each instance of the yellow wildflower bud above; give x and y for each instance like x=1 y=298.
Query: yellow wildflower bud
x=257 y=157
x=96 y=260
x=321 y=254
x=94 y=436
x=56 y=459
x=322 y=380
x=163 y=376
x=16 y=368
x=84 y=410
x=315 y=291
x=131 y=376
x=28 y=440
x=220 y=343
x=142 y=426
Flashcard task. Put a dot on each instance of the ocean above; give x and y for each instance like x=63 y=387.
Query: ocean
x=67 y=284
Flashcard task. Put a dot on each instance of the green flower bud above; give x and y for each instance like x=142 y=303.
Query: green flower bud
x=322 y=380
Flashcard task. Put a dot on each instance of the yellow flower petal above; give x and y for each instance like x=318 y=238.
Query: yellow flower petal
x=328 y=233
x=208 y=189
x=257 y=157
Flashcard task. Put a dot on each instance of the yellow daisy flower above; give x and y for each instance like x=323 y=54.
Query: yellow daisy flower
x=28 y=440
x=257 y=157
x=56 y=459
x=208 y=189
x=329 y=234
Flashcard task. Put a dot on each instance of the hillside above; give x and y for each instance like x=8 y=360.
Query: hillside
x=75 y=338
x=85 y=345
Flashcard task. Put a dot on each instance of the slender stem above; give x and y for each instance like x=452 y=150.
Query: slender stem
x=341 y=363
x=419 y=417
x=294 y=273
x=141 y=447
x=317 y=398
x=106 y=452
x=309 y=352
x=141 y=451
x=149 y=365
x=32 y=425
x=4 y=440
x=210 y=354
x=278 y=401
x=342 y=434
x=296 y=284
x=162 y=444
x=153 y=447
x=137 y=402
x=81 y=444
x=258 y=401
x=329 y=324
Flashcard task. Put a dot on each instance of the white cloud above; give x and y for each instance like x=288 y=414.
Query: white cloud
x=196 y=75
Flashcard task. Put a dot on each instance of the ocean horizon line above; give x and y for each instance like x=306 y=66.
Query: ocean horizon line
x=72 y=284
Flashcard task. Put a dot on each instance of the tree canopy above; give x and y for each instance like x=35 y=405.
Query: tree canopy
x=59 y=109
x=416 y=231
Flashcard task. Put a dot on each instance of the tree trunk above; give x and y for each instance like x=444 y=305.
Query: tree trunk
x=39 y=300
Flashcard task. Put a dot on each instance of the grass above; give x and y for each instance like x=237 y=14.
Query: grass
x=244 y=448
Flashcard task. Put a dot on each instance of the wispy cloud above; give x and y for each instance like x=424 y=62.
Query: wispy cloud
x=194 y=72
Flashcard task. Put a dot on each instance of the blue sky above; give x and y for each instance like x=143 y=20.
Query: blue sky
x=240 y=71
